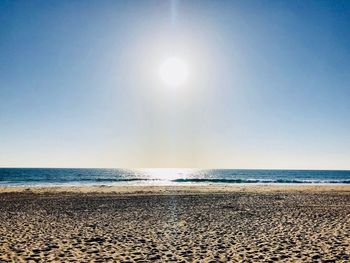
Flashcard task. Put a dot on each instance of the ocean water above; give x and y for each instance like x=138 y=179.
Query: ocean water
x=82 y=176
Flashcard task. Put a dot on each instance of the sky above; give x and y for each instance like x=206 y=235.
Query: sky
x=268 y=84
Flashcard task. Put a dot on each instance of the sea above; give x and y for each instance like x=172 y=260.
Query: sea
x=160 y=176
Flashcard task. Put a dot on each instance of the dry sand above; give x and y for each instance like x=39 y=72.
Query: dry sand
x=175 y=224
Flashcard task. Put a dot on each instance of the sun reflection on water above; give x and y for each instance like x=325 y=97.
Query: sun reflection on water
x=167 y=174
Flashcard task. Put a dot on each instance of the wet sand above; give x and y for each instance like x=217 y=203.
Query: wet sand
x=175 y=224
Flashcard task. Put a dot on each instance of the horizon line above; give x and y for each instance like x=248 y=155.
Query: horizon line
x=176 y=168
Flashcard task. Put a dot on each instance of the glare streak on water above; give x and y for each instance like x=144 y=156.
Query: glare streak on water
x=84 y=176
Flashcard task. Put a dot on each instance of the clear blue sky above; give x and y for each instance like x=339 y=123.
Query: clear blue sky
x=268 y=86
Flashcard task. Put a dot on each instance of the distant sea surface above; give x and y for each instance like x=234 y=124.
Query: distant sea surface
x=80 y=176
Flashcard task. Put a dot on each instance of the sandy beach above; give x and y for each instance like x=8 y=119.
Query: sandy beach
x=241 y=223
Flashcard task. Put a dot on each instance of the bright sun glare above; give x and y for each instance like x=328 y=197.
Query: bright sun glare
x=174 y=72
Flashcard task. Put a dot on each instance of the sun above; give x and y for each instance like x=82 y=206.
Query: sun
x=174 y=72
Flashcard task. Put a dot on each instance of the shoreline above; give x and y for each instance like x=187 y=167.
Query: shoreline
x=178 y=189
